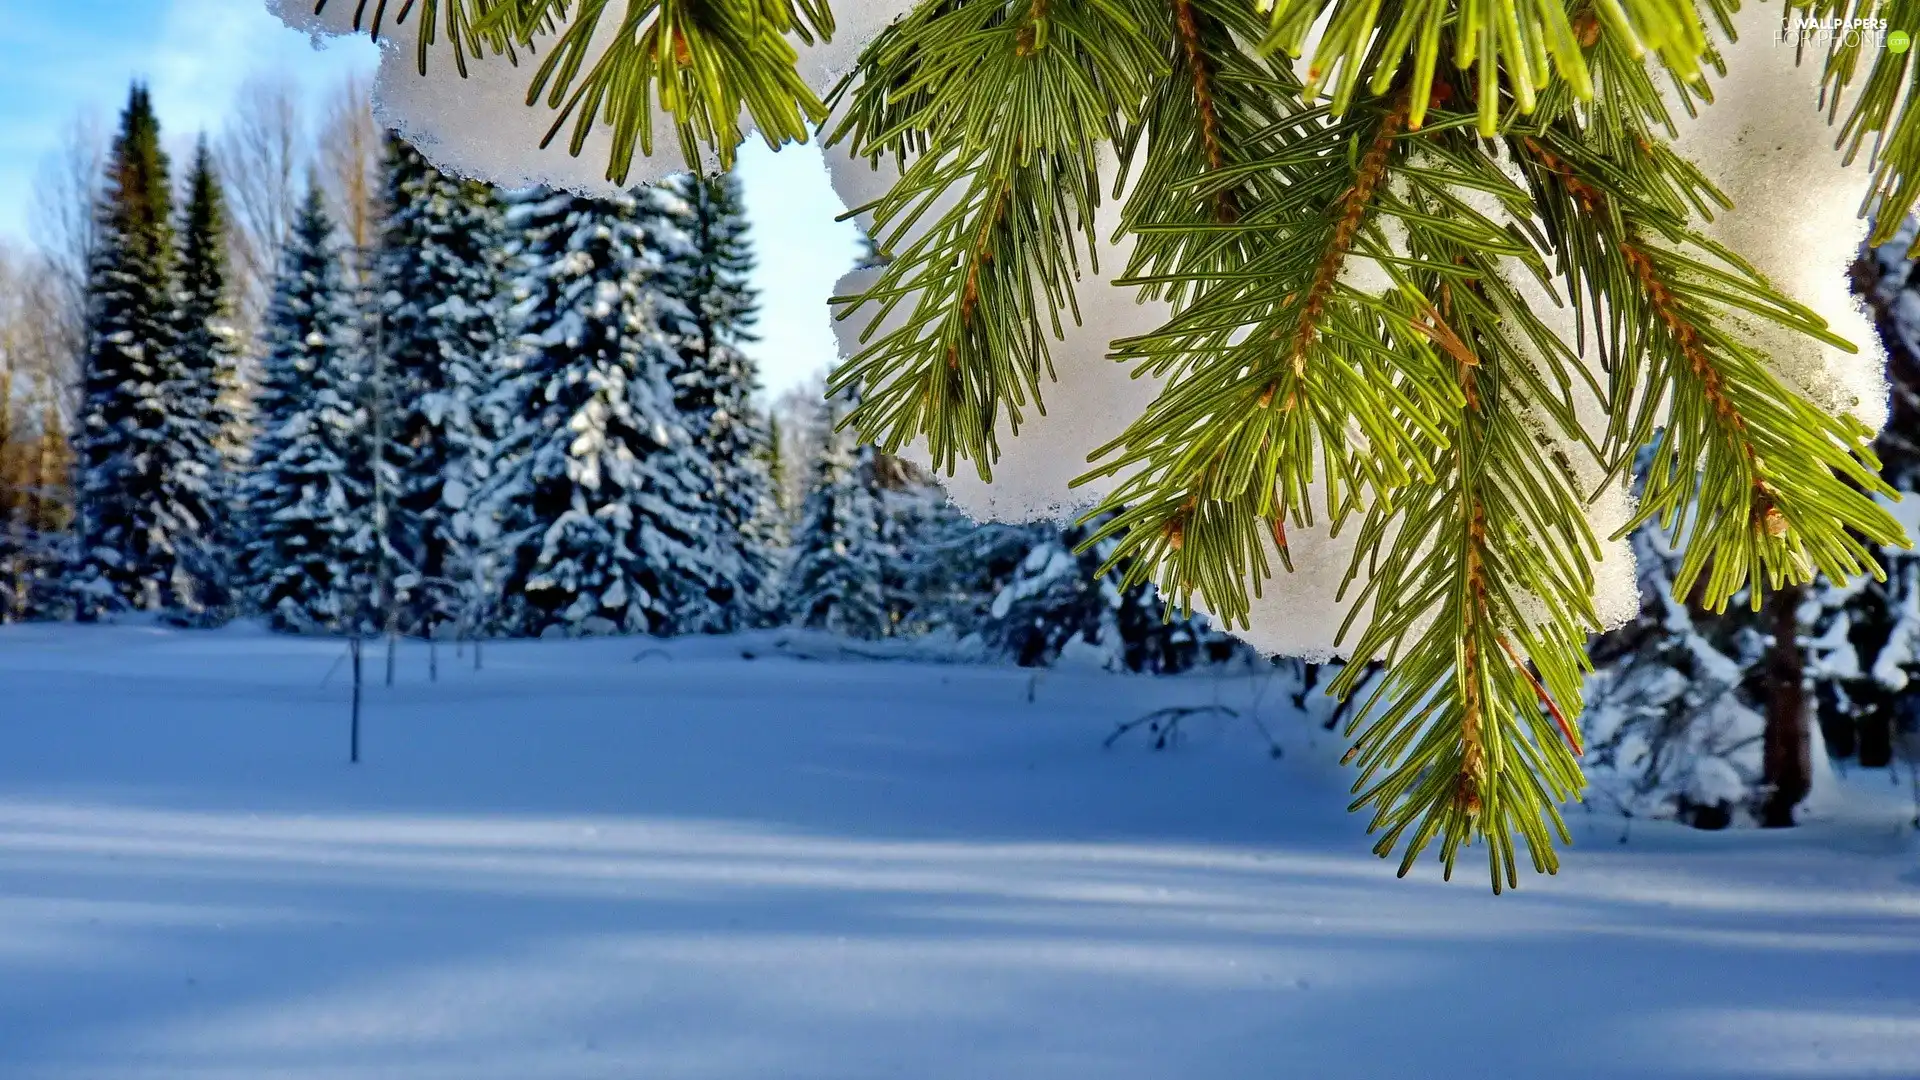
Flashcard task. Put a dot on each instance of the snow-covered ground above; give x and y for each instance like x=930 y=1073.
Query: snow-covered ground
x=573 y=864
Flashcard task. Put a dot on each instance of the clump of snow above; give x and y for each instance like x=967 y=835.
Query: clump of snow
x=1366 y=274
x=1616 y=599
x=335 y=20
x=1765 y=142
x=481 y=125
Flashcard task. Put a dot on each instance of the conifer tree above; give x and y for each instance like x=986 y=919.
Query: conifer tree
x=717 y=388
x=198 y=387
x=836 y=579
x=598 y=498
x=309 y=495
x=439 y=276
x=124 y=556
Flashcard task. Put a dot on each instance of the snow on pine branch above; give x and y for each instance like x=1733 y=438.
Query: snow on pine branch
x=482 y=127
x=1766 y=144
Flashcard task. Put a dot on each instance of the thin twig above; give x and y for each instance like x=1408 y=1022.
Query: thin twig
x=1164 y=723
x=1566 y=729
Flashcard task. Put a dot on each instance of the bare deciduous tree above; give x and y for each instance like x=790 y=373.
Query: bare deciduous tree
x=33 y=333
x=64 y=227
x=348 y=168
x=261 y=155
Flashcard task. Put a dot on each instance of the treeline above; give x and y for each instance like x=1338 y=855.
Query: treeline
x=452 y=411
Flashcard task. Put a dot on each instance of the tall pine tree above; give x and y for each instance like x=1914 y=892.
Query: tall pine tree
x=717 y=387
x=124 y=556
x=309 y=496
x=599 y=497
x=440 y=273
x=196 y=392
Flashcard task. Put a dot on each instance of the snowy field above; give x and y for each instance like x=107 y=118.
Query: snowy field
x=574 y=865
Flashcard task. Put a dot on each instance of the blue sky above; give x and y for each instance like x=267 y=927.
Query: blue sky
x=60 y=59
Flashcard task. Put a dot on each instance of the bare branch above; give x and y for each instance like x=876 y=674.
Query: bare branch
x=261 y=156
x=348 y=167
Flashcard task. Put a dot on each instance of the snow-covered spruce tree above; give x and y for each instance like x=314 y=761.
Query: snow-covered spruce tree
x=836 y=580
x=1402 y=326
x=198 y=387
x=311 y=538
x=598 y=495
x=916 y=524
x=717 y=387
x=124 y=555
x=439 y=276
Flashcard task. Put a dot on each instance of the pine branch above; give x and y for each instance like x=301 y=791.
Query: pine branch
x=1315 y=365
x=1472 y=577
x=1759 y=487
x=1219 y=106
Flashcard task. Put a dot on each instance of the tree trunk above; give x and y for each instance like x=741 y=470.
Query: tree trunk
x=1788 y=758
